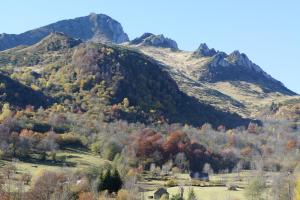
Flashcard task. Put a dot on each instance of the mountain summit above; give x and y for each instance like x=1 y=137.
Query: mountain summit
x=97 y=27
x=203 y=50
x=149 y=39
x=81 y=57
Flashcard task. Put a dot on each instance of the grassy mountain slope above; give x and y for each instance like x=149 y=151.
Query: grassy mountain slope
x=120 y=82
x=232 y=86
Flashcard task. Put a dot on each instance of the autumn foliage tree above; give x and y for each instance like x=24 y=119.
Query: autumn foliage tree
x=177 y=146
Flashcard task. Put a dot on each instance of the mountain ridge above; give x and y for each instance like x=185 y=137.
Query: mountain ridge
x=229 y=83
x=92 y=27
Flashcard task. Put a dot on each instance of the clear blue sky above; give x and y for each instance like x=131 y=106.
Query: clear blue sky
x=268 y=31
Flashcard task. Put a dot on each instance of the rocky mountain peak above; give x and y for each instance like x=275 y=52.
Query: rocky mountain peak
x=219 y=59
x=149 y=39
x=107 y=29
x=56 y=41
x=239 y=59
x=203 y=50
x=97 y=27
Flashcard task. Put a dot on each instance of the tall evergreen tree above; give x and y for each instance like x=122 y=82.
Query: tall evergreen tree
x=116 y=180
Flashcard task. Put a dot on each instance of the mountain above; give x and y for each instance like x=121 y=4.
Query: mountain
x=149 y=39
x=229 y=82
x=237 y=67
x=108 y=77
x=19 y=95
x=148 y=79
x=54 y=42
x=52 y=47
x=287 y=109
x=203 y=50
x=97 y=27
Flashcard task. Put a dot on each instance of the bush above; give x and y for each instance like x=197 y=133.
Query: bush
x=191 y=194
x=110 y=150
x=124 y=195
x=171 y=183
x=255 y=189
x=1 y=154
x=96 y=147
x=86 y=196
x=176 y=197
x=69 y=140
x=164 y=197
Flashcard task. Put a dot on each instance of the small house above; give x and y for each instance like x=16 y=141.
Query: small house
x=199 y=176
x=160 y=192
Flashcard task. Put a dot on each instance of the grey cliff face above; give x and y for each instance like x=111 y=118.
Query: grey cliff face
x=106 y=28
x=149 y=39
x=239 y=59
x=203 y=50
x=93 y=27
x=219 y=59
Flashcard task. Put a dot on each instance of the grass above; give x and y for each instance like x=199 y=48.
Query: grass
x=79 y=160
x=208 y=190
x=206 y=193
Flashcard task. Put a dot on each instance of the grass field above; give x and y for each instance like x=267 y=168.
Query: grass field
x=75 y=160
x=208 y=190
x=206 y=193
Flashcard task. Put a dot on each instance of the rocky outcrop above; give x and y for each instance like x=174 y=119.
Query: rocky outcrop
x=238 y=67
x=149 y=39
x=219 y=59
x=203 y=50
x=97 y=27
x=241 y=59
x=55 y=42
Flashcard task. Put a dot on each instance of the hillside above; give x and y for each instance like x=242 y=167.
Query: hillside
x=230 y=82
x=110 y=75
x=87 y=114
x=19 y=95
x=225 y=82
x=93 y=27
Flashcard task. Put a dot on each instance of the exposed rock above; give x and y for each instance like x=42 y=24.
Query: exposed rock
x=238 y=67
x=93 y=27
x=203 y=50
x=219 y=60
x=56 y=41
x=240 y=59
x=149 y=39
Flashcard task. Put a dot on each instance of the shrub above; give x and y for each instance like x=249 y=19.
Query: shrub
x=96 y=147
x=255 y=189
x=297 y=190
x=69 y=140
x=191 y=194
x=176 y=197
x=86 y=196
x=110 y=150
x=124 y=195
x=164 y=197
x=1 y=154
x=171 y=183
